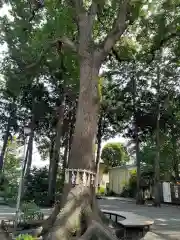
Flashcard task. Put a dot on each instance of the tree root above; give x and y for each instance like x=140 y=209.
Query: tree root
x=80 y=217
x=99 y=231
x=68 y=220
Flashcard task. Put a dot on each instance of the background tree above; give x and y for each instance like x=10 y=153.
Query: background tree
x=114 y=154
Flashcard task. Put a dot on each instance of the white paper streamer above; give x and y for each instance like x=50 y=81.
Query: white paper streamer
x=80 y=175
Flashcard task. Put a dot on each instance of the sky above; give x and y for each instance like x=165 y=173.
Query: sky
x=36 y=160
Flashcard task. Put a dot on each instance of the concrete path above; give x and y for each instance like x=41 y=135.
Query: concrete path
x=167 y=218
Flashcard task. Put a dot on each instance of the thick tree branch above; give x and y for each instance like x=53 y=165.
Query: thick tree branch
x=65 y=43
x=119 y=26
x=93 y=8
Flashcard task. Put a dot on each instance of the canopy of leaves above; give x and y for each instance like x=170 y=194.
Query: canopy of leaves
x=114 y=154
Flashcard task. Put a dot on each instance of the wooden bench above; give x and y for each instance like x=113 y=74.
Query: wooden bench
x=129 y=220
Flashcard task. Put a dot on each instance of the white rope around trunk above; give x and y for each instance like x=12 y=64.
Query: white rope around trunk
x=77 y=176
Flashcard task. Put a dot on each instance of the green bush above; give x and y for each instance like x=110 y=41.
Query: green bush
x=30 y=211
x=111 y=193
x=37 y=186
x=101 y=191
x=25 y=237
x=129 y=190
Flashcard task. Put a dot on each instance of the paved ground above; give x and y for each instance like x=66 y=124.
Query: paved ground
x=167 y=218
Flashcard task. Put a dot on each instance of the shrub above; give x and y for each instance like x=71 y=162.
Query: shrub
x=111 y=193
x=37 y=186
x=129 y=190
x=101 y=191
x=24 y=237
x=30 y=211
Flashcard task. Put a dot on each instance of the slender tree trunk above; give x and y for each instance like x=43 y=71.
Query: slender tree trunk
x=139 y=199
x=51 y=154
x=55 y=160
x=65 y=158
x=157 y=200
x=30 y=153
x=26 y=159
x=139 y=196
x=23 y=193
x=71 y=131
x=174 y=140
x=5 y=142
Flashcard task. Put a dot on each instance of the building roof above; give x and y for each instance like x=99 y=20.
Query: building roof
x=125 y=166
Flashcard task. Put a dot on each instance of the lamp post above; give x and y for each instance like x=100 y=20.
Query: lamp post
x=27 y=132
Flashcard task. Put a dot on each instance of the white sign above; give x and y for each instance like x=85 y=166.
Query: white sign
x=167 y=192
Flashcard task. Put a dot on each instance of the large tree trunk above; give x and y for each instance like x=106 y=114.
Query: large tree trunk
x=81 y=155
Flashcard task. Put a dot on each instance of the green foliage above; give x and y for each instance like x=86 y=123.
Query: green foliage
x=30 y=211
x=35 y=92
x=101 y=191
x=37 y=186
x=129 y=190
x=11 y=171
x=169 y=156
x=29 y=207
x=25 y=237
x=114 y=154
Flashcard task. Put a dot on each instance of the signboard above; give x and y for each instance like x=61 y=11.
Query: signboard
x=166 y=192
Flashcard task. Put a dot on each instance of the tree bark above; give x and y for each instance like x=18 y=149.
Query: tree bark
x=81 y=155
x=71 y=130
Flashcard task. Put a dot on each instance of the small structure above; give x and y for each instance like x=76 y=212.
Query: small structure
x=119 y=177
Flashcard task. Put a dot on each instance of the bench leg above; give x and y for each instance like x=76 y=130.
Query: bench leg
x=125 y=233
